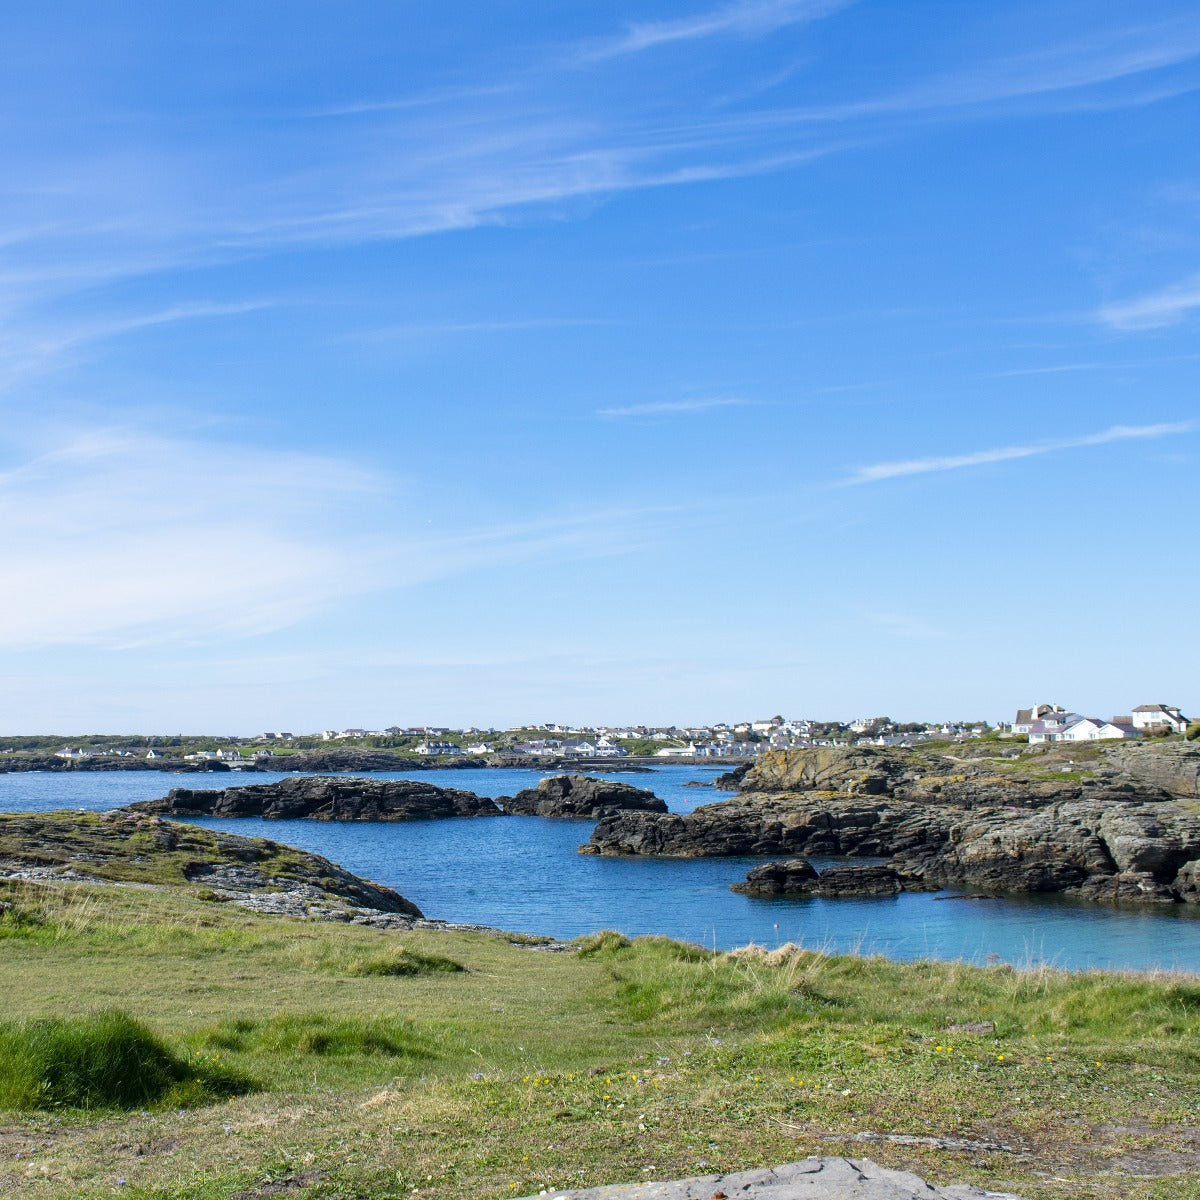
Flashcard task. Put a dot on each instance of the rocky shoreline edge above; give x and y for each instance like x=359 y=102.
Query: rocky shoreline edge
x=1120 y=833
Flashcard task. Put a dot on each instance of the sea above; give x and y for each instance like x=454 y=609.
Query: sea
x=524 y=874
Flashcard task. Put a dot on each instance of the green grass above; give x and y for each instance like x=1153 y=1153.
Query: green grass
x=625 y=1059
x=101 y=1061
x=403 y=961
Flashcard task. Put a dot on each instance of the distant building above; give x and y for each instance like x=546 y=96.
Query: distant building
x=439 y=748
x=1159 y=716
x=1093 y=729
x=1028 y=717
x=1050 y=726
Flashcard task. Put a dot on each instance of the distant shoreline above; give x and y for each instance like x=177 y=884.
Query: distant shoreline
x=372 y=764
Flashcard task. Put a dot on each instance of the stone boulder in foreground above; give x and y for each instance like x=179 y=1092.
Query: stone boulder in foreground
x=324 y=798
x=827 y=1178
x=580 y=796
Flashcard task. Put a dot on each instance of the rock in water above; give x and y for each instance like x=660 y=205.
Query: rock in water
x=324 y=798
x=580 y=796
x=798 y=877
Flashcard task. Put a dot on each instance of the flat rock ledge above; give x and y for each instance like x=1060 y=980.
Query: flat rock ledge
x=827 y=1178
x=580 y=796
x=323 y=798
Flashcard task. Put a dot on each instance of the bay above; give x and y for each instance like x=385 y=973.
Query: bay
x=524 y=874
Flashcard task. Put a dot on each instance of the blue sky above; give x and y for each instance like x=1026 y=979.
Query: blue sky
x=380 y=363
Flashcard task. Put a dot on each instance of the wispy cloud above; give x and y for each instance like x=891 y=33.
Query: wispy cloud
x=121 y=535
x=1155 y=309
x=424 y=329
x=1068 y=68
x=664 y=408
x=26 y=350
x=744 y=18
x=878 y=472
x=438 y=96
x=1060 y=369
x=118 y=538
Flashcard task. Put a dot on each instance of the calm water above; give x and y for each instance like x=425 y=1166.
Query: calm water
x=523 y=873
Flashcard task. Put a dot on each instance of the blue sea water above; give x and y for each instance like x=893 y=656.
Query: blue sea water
x=523 y=873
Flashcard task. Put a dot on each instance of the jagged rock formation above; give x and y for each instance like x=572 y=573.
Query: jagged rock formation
x=580 y=796
x=939 y=822
x=324 y=798
x=134 y=848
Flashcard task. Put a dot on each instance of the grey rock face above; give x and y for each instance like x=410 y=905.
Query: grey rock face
x=812 y=1179
x=580 y=796
x=323 y=798
x=1174 y=766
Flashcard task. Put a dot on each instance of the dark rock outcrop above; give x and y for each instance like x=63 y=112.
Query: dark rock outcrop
x=580 y=796
x=324 y=798
x=798 y=877
x=824 y=824
x=731 y=781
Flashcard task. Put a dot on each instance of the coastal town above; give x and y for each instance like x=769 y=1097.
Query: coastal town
x=555 y=741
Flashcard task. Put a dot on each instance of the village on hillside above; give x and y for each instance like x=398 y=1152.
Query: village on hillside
x=1040 y=723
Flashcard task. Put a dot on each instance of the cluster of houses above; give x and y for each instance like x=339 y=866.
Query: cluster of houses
x=1039 y=723
x=1052 y=723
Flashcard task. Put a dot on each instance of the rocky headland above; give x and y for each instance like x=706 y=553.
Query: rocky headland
x=1110 y=827
x=324 y=798
x=580 y=796
x=139 y=849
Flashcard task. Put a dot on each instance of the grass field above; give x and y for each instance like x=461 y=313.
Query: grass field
x=332 y=1060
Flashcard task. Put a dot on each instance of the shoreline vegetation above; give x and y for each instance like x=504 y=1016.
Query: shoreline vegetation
x=336 y=1058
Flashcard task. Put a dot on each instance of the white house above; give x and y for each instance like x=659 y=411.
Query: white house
x=1028 y=717
x=1158 y=716
x=439 y=748
x=1051 y=726
x=1093 y=729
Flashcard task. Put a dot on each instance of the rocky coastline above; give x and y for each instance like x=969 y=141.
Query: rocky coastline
x=351 y=798
x=582 y=797
x=1104 y=834
x=324 y=798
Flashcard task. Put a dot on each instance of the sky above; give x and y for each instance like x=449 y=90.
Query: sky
x=476 y=364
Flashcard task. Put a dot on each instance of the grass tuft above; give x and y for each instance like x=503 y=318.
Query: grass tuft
x=321 y=1034
x=605 y=942
x=403 y=961
x=105 y=1060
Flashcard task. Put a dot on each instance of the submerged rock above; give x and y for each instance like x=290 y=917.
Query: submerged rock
x=580 y=796
x=324 y=798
